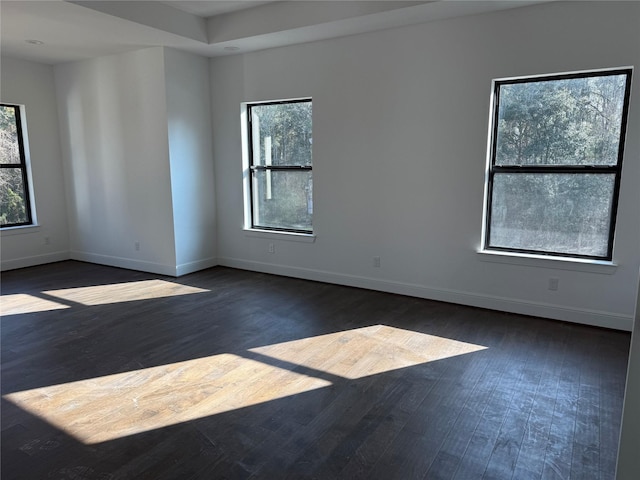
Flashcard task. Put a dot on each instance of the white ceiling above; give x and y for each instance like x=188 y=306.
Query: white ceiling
x=210 y=8
x=75 y=30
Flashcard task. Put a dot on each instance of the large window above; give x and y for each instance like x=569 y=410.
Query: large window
x=280 y=154
x=555 y=163
x=15 y=204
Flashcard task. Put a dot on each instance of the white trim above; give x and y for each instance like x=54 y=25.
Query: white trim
x=246 y=177
x=523 y=307
x=280 y=235
x=27 y=160
x=129 y=263
x=19 y=230
x=34 y=260
x=190 y=267
x=120 y=262
x=544 y=261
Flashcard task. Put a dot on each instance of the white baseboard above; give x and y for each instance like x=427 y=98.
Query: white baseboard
x=34 y=260
x=523 y=307
x=143 y=266
x=556 y=312
x=121 y=262
x=191 y=267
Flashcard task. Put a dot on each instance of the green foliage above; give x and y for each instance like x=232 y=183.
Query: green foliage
x=289 y=127
x=12 y=207
x=565 y=213
x=9 y=146
x=560 y=122
x=12 y=191
x=568 y=122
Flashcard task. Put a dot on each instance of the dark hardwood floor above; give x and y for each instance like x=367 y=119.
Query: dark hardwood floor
x=228 y=374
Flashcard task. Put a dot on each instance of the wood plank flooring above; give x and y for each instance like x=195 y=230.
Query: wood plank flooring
x=227 y=374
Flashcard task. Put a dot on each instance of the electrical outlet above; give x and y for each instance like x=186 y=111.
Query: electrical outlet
x=47 y=240
x=136 y=245
x=376 y=262
x=553 y=283
x=272 y=248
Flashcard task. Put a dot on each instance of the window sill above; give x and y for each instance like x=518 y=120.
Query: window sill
x=275 y=235
x=19 y=230
x=545 y=261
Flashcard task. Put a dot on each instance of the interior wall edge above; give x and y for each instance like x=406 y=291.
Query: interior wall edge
x=196 y=266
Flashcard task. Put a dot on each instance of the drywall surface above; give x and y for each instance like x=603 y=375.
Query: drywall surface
x=31 y=84
x=628 y=459
x=400 y=122
x=191 y=160
x=113 y=123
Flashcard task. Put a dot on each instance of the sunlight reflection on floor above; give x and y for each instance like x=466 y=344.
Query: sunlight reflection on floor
x=123 y=292
x=105 y=408
x=367 y=351
x=18 y=303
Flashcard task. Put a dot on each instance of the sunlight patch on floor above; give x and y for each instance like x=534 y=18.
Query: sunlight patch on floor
x=106 y=408
x=367 y=351
x=123 y=292
x=19 y=303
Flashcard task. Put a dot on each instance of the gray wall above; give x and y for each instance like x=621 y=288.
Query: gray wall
x=191 y=160
x=137 y=149
x=115 y=144
x=31 y=84
x=400 y=135
x=629 y=452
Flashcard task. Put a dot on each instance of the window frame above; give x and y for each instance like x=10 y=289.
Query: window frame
x=252 y=168
x=23 y=166
x=492 y=168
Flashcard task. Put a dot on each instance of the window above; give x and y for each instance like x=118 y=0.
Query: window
x=555 y=162
x=15 y=202
x=280 y=162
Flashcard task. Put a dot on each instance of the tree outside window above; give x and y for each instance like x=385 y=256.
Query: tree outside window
x=281 y=165
x=556 y=160
x=15 y=208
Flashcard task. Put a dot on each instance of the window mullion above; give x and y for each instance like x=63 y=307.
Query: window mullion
x=555 y=168
x=280 y=167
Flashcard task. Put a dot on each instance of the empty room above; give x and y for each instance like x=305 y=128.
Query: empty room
x=320 y=240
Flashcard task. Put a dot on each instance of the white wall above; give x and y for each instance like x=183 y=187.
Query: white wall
x=31 y=84
x=628 y=458
x=400 y=131
x=191 y=160
x=113 y=121
x=136 y=135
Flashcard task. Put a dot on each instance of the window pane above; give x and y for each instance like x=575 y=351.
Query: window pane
x=560 y=122
x=9 y=145
x=561 y=213
x=12 y=197
x=283 y=199
x=281 y=134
